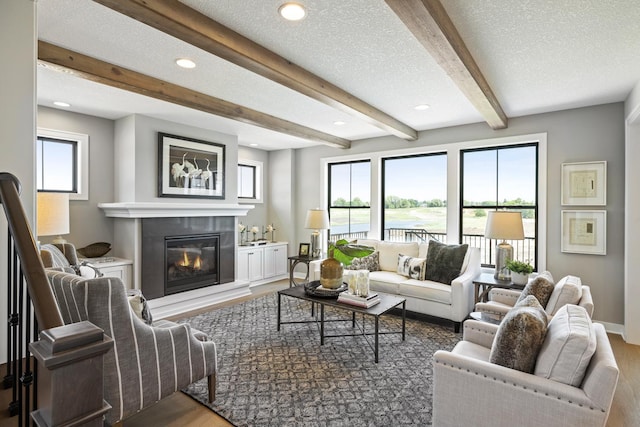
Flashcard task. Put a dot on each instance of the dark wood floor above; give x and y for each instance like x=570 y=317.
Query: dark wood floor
x=179 y=410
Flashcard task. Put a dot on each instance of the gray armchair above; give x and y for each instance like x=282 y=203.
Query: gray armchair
x=147 y=363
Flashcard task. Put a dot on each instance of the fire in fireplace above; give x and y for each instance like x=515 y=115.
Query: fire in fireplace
x=192 y=262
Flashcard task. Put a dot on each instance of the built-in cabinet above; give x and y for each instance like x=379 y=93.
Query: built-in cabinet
x=262 y=264
x=115 y=267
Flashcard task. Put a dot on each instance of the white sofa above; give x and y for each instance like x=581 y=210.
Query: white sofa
x=449 y=301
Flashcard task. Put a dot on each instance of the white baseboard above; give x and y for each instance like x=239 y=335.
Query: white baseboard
x=612 y=328
x=183 y=302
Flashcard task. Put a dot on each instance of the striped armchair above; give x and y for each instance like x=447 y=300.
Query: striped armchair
x=147 y=363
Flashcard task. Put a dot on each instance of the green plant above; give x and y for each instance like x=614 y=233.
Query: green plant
x=345 y=252
x=519 y=267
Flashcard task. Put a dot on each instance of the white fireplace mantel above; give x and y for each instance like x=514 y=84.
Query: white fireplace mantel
x=168 y=210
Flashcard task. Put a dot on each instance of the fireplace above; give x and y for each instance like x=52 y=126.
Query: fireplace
x=192 y=262
x=182 y=254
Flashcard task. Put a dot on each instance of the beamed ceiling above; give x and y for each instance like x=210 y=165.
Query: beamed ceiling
x=364 y=63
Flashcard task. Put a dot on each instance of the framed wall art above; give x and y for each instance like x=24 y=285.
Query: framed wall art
x=584 y=184
x=584 y=232
x=190 y=167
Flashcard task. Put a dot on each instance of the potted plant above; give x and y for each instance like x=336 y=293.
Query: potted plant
x=339 y=254
x=520 y=271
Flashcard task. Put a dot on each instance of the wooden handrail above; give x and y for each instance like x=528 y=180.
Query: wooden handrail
x=44 y=304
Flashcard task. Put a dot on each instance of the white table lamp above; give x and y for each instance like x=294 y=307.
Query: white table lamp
x=503 y=225
x=317 y=219
x=53 y=215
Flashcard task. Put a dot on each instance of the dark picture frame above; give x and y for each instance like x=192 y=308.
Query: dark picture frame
x=304 y=249
x=190 y=167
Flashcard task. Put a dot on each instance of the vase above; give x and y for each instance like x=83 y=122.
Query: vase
x=519 y=278
x=331 y=271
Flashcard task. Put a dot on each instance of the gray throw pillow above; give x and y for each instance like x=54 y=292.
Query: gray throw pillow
x=370 y=262
x=540 y=287
x=444 y=262
x=411 y=267
x=520 y=336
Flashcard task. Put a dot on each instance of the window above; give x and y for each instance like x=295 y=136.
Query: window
x=62 y=163
x=415 y=197
x=349 y=199
x=250 y=181
x=500 y=178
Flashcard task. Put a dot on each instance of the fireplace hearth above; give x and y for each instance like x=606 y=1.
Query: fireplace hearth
x=182 y=254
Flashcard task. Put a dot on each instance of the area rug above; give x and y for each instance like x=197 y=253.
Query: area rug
x=286 y=378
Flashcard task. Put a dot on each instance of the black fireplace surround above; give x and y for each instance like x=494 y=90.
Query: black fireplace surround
x=210 y=235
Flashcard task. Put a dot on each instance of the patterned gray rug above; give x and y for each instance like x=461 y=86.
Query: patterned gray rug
x=271 y=378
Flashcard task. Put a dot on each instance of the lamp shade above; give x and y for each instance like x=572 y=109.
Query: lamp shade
x=53 y=214
x=504 y=225
x=317 y=219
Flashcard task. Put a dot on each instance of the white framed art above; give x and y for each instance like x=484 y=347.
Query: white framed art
x=584 y=184
x=584 y=232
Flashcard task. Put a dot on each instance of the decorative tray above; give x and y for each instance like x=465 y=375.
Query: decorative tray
x=313 y=288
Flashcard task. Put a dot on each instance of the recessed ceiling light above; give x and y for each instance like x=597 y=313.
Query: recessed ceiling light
x=421 y=107
x=62 y=104
x=339 y=123
x=253 y=144
x=292 y=11
x=185 y=63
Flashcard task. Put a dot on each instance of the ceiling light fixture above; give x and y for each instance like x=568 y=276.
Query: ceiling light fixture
x=339 y=123
x=292 y=11
x=253 y=144
x=185 y=63
x=421 y=107
x=62 y=104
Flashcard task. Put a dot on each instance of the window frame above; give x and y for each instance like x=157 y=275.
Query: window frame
x=453 y=177
x=330 y=206
x=499 y=205
x=81 y=159
x=258 y=179
x=383 y=195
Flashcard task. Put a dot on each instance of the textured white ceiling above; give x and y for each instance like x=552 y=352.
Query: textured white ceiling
x=537 y=55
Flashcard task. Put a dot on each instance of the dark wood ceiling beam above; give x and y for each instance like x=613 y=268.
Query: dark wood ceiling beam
x=65 y=60
x=430 y=24
x=180 y=21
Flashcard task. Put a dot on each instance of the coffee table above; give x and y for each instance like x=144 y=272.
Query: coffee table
x=387 y=303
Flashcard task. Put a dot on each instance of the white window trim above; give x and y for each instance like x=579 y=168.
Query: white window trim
x=453 y=181
x=259 y=179
x=82 y=161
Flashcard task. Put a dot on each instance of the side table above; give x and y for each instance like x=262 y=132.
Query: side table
x=295 y=260
x=487 y=281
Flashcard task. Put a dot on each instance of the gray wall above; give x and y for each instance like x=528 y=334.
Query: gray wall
x=17 y=120
x=585 y=134
x=87 y=223
x=259 y=214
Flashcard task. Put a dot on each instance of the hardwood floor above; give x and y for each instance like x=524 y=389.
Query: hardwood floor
x=180 y=410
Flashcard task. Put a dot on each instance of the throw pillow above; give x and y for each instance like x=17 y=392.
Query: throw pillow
x=520 y=336
x=568 y=290
x=370 y=262
x=540 y=287
x=139 y=305
x=568 y=347
x=444 y=262
x=411 y=267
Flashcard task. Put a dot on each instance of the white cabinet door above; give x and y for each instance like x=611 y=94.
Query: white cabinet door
x=275 y=260
x=243 y=265
x=255 y=265
x=269 y=261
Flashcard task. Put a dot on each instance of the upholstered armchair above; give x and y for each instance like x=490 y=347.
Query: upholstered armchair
x=147 y=363
x=568 y=290
x=64 y=257
x=470 y=390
